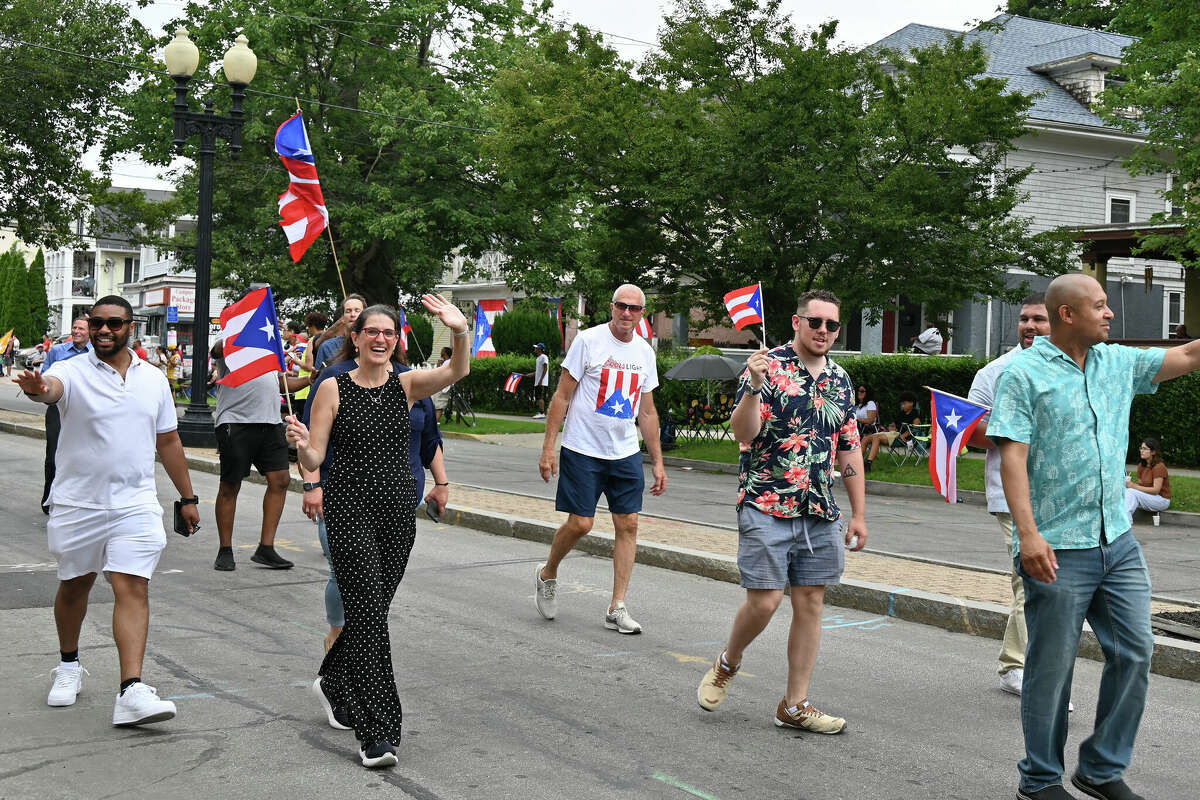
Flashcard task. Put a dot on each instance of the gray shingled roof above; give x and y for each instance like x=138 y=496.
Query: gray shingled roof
x=1014 y=44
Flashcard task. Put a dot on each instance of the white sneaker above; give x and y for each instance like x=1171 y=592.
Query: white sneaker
x=68 y=680
x=543 y=594
x=139 y=705
x=619 y=620
x=1011 y=681
x=539 y=416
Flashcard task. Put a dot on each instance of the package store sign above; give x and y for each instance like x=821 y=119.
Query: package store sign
x=184 y=300
x=153 y=297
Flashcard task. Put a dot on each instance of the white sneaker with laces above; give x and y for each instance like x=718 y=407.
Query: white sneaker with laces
x=68 y=680
x=1011 y=681
x=139 y=705
x=620 y=620
x=544 y=592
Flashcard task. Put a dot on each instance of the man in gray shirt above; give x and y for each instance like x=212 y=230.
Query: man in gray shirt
x=1033 y=321
x=250 y=433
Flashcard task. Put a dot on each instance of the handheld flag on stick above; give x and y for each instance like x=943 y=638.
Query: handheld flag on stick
x=954 y=419
x=643 y=329
x=250 y=331
x=513 y=381
x=746 y=308
x=405 y=330
x=302 y=206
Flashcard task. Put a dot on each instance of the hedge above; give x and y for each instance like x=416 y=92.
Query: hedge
x=1168 y=414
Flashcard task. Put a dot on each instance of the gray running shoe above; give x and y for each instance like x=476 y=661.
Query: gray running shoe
x=544 y=594
x=620 y=620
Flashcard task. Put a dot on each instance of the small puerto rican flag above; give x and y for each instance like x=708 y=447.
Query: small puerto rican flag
x=745 y=305
x=643 y=329
x=619 y=392
x=513 y=381
x=954 y=420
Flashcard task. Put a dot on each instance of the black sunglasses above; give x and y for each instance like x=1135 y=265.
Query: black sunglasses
x=831 y=325
x=628 y=307
x=113 y=323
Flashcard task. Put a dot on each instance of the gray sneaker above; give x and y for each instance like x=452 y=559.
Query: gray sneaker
x=620 y=620
x=543 y=594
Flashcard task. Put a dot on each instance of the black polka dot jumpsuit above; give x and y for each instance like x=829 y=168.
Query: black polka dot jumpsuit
x=370 y=494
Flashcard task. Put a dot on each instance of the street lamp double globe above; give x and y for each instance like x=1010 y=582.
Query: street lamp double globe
x=182 y=58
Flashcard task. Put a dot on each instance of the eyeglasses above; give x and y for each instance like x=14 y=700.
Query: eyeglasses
x=831 y=325
x=374 y=333
x=114 y=323
x=627 y=307
x=862 y=389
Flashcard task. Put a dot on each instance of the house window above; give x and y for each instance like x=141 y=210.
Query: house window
x=1172 y=210
x=1173 y=317
x=132 y=267
x=1119 y=207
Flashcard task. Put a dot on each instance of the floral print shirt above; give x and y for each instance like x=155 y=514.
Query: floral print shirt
x=787 y=471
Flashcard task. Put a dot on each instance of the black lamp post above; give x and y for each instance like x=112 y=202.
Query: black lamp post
x=182 y=57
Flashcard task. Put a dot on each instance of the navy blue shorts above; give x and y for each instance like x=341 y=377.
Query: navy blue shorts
x=582 y=479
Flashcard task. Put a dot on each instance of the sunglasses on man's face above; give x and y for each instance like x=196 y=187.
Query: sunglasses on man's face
x=831 y=325
x=113 y=323
x=627 y=307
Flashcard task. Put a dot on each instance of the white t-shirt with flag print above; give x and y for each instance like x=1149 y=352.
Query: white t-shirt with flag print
x=612 y=375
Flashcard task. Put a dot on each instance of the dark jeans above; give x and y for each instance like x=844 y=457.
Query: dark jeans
x=53 y=426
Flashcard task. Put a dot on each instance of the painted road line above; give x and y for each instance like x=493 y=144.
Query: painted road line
x=683 y=787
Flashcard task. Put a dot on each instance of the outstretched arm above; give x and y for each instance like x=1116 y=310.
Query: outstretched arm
x=1179 y=361
x=40 y=388
x=420 y=383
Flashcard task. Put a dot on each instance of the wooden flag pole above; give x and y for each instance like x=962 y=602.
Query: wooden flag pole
x=329 y=232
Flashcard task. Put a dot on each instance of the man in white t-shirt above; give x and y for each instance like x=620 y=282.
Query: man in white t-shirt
x=541 y=378
x=929 y=342
x=117 y=413
x=605 y=393
x=1033 y=321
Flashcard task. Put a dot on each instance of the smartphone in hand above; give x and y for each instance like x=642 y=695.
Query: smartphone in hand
x=433 y=510
x=181 y=525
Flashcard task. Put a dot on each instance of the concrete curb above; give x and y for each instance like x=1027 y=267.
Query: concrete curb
x=1173 y=658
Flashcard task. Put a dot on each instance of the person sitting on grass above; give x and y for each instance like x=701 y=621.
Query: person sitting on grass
x=909 y=415
x=1153 y=488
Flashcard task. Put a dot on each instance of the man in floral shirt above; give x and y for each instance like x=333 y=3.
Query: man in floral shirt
x=795 y=410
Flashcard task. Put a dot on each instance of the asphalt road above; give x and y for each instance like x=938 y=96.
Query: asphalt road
x=500 y=703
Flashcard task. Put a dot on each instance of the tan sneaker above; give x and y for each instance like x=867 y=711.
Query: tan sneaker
x=809 y=718
x=712 y=689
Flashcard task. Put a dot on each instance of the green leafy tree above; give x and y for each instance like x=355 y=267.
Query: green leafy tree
x=1097 y=14
x=1159 y=102
x=420 y=341
x=745 y=151
x=54 y=107
x=517 y=331
x=6 y=278
x=17 y=300
x=39 y=302
x=394 y=102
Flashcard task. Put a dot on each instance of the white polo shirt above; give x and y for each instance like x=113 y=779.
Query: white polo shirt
x=106 y=449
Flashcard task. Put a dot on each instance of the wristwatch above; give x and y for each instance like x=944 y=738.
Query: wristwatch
x=308 y=487
x=189 y=501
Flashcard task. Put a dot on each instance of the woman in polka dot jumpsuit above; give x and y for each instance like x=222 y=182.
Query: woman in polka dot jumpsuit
x=370 y=495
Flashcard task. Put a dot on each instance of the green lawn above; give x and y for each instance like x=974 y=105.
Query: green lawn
x=490 y=425
x=1185 y=490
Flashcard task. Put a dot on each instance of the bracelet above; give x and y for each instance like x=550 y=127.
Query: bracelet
x=189 y=501
x=467 y=332
x=447 y=483
x=308 y=487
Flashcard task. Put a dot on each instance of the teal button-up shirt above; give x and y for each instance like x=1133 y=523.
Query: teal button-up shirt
x=1076 y=423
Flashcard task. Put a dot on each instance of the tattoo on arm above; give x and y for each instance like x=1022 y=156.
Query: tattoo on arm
x=849 y=472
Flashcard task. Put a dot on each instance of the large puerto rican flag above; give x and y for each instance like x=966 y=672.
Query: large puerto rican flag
x=954 y=420
x=619 y=392
x=250 y=331
x=745 y=306
x=302 y=206
x=485 y=316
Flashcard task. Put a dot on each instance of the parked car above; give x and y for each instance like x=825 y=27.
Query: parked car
x=30 y=357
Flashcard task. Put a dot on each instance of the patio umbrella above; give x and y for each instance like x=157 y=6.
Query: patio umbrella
x=706 y=368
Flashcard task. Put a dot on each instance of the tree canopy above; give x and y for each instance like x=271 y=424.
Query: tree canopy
x=1097 y=14
x=745 y=151
x=55 y=106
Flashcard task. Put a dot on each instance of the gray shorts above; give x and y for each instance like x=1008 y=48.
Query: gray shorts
x=774 y=552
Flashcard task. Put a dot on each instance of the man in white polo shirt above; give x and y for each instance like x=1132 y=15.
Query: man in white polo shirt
x=605 y=393
x=104 y=513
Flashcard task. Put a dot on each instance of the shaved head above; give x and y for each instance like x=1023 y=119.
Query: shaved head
x=1071 y=290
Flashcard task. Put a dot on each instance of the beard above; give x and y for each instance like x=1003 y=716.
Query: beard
x=119 y=342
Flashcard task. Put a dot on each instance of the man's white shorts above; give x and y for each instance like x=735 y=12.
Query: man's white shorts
x=125 y=540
